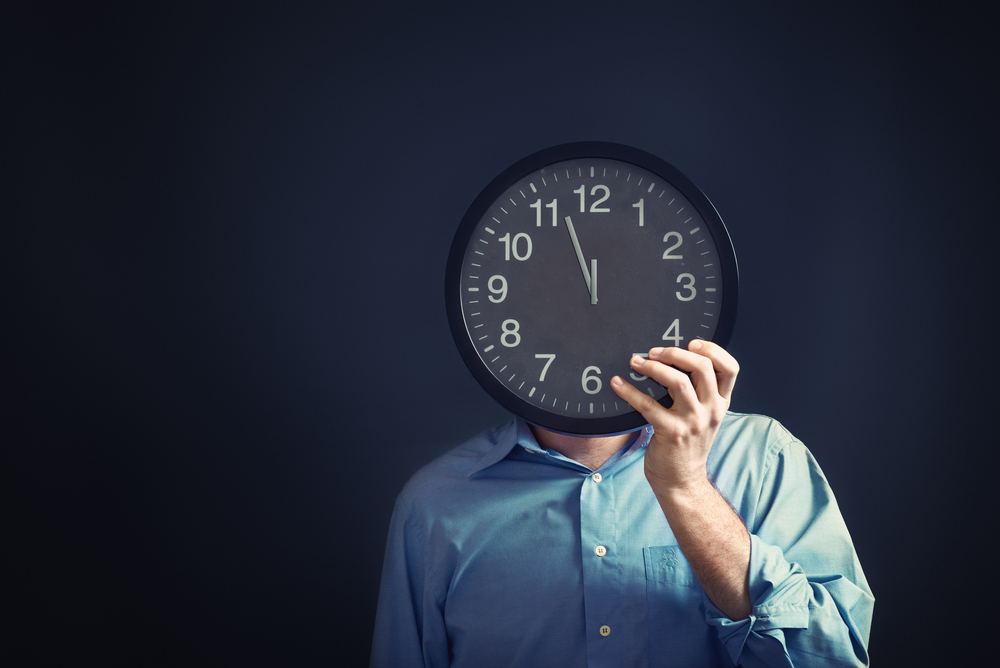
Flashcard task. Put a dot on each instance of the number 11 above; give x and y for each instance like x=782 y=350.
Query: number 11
x=537 y=206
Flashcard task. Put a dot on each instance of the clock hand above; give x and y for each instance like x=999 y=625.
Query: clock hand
x=593 y=280
x=589 y=276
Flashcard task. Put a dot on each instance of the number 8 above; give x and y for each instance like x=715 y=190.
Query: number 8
x=510 y=332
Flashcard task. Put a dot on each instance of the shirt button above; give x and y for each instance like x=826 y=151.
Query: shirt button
x=596 y=477
x=605 y=630
x=600 y=550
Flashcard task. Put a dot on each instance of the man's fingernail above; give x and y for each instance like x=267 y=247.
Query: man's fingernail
x=656 y=351
x=637 y=361
x=695 y=345
x=617 y=381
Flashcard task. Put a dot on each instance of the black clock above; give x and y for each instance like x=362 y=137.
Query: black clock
x=573 y=260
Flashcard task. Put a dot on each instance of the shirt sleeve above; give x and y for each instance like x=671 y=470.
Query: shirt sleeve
x=409 y=624
x=811 y=603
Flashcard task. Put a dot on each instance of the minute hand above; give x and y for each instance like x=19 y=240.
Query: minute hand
x=589 y=276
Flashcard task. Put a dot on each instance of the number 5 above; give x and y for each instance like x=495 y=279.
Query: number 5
x=634 y=375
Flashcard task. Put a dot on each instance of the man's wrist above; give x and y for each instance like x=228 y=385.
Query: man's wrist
x=681 y=493
x=694 y=484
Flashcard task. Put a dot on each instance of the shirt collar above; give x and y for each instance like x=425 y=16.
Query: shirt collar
x=506 y=439
x=518 y=433
x=526 y=438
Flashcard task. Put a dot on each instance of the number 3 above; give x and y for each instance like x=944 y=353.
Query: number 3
x=687 y=286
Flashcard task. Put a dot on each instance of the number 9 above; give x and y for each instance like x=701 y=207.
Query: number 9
x=502 y=290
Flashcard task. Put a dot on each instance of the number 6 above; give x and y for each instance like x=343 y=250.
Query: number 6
x=586 y=380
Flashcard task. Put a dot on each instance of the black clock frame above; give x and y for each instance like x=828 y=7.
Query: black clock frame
x=617 y=424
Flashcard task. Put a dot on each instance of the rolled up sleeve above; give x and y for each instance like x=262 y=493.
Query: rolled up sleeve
x=811 y=602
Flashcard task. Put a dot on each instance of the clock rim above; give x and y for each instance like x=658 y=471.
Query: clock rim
x=579 y=426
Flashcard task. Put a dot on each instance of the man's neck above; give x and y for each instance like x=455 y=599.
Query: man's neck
x=591 y=451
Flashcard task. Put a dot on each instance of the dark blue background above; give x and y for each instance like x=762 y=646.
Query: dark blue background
x=223 y=231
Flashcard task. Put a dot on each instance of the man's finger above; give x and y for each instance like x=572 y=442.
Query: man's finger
x=726 y=366
x=700 y=367
x=677 y=383
x=648 y=407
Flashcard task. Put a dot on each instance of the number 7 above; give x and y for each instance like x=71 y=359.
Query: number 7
x=550 y=357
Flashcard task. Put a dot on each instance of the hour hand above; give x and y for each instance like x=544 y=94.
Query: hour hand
x=589 y=276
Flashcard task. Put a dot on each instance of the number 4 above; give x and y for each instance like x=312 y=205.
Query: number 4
x=676 y=337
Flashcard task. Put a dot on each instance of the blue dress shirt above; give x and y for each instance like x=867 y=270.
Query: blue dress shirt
x=503 y=553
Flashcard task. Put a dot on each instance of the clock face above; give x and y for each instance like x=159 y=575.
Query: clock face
x=572 y=261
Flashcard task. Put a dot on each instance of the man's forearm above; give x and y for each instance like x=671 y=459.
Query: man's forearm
x=700 y=382
x=714 y=541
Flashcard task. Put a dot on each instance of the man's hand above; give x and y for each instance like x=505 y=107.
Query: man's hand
x=710 y=533
x=685 y=432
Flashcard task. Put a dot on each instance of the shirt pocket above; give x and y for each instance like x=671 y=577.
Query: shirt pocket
x=675 y=608
x=666 y=565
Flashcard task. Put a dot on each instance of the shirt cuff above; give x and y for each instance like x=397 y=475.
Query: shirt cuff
x=779 y=594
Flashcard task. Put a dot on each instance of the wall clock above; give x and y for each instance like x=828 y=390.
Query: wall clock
x=571 y=261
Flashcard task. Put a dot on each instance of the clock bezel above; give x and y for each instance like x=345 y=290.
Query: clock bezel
x=617 y=424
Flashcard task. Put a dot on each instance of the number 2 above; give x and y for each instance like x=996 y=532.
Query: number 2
x=680 y=240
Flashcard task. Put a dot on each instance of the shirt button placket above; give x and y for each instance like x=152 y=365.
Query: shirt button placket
x=602 y=585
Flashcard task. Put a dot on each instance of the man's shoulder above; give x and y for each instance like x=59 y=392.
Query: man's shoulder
x=452 y=470
x=752 y=437
x=754 y=427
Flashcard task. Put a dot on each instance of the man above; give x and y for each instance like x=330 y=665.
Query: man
x=708 y=538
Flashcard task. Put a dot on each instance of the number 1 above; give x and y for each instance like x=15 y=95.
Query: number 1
x=638 y=205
